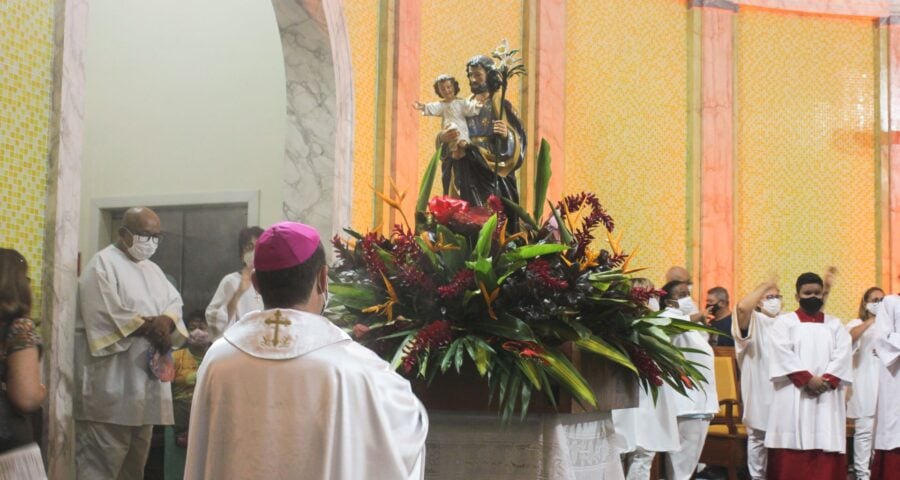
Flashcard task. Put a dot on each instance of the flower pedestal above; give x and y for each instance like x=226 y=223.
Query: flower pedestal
x=468 y=440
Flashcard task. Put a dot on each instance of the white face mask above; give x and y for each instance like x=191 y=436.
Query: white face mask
x=687 y=306
x=771 y=306
x=248 y=259
x=653 y=304
x=872 y=307
x=141 y=250
x=198 y=337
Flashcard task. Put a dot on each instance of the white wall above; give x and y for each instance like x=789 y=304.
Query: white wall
x=183 y=97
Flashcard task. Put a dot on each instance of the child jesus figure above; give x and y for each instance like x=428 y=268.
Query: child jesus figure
x=452 y=109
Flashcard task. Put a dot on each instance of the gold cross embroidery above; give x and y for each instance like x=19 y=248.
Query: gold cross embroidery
x=278 y=321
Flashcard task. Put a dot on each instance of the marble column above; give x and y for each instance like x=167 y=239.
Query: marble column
x=311 y=119
x=404 y=169
x=550 y=105
x=61 y=247
x=717 y=162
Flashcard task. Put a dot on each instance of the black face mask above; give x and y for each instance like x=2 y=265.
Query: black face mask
x=712 y=308
x=811 y=305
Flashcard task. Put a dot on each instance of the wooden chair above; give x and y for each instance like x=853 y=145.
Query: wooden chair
x=726 y=442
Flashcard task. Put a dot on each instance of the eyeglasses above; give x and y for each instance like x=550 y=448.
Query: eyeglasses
x=773 y=297
x=146 y=237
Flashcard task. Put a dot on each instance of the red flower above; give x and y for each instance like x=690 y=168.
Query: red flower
x=525 y=349
x=435 y=335
x=645 y=364
x=540 y=270
x=470 y=220
x=461 y=281
x=641 y=295
x=443 y=208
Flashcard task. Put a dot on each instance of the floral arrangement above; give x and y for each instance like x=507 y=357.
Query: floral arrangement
x=464 y=287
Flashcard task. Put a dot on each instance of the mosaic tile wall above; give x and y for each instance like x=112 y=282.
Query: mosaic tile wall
x=362 y=27
x=626 y=97
x=449 y=39
x=26 y=49
x=805 y=161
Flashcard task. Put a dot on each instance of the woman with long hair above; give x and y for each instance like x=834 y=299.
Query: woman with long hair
x=20 y=371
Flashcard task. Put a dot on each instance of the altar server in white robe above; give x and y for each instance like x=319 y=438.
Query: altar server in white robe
x=810 y=365
x=861 y=404
x=756 y=315
x=287 y=394
x=695 y=410
x=886 y=464
x=650 y=427
x=126 y=308
x=235 y=296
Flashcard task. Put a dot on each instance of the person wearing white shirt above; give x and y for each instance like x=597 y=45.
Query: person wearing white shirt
x=861 y=404
x=235 y=296
x=886 y=462
x=128 y=314
x=756 y=315
x=651 y=427
x=695 y=410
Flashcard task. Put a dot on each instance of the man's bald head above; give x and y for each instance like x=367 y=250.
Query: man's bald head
x=678 y=274
x=141 y=218
x=140 y=221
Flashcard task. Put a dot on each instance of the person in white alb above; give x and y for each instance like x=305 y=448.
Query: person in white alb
x=235 y=296
x=756 y=314
x=127 y=311
x=810 y=366
x=861 y=404
x=695 y=410
x=287 y=394
x=886 y=462
x=651 y=427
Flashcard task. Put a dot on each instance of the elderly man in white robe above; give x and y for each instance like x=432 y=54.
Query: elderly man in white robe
x=886 y=464
x=287 y=394
x=810 y=366
x=756 y=315
x=127 y=311
x=651 y=427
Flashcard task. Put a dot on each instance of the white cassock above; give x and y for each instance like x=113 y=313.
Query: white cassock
x=798 y=420
x=300 y=399
x=861 y=404
x=695 y=410
x=647 y=429
x=217 y=317
x=887 y=347
x=113 y=381
x=756 y=388
x=117 y=398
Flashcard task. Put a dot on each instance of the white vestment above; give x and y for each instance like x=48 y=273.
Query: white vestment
x=753 y=359
x=217 y=317
x=798 y=420
x=454 y=113
x=865 y=374
x=300 y=399
x=649 y=427
x=113 y=381
x=887 y=347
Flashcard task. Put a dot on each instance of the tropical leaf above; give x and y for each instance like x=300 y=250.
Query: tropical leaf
x=427 y=183
x=531 y=251
x=541 y=179
x=485 y=237
x=564 y=234
x=353 y=296
x=562 y=369
x=515 y=207
x=599 y=346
